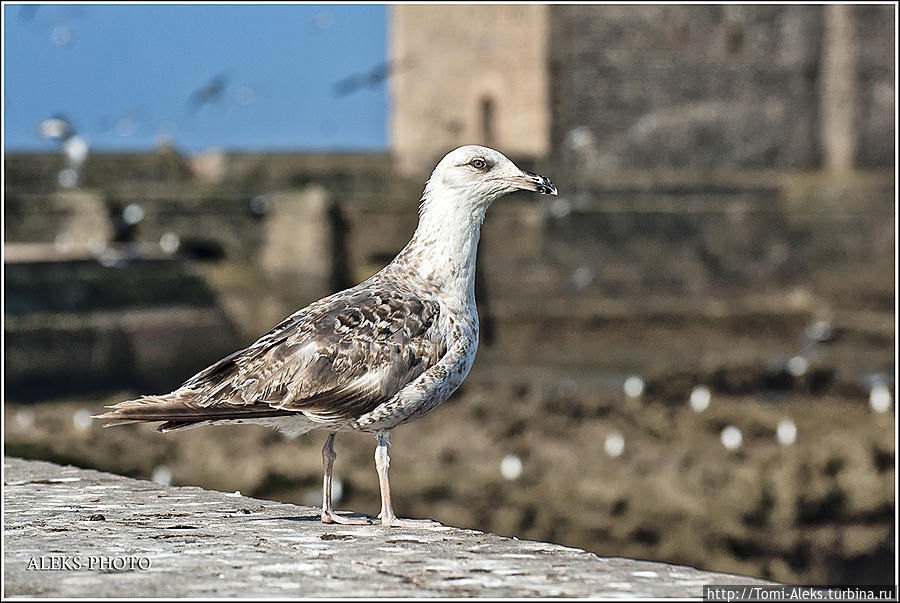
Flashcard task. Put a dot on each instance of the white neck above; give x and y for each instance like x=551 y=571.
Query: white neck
x=442 y=251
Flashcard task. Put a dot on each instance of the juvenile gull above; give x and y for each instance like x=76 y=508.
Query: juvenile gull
x=374 y=356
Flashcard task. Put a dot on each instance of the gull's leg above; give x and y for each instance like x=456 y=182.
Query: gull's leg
x=328 y=513
x=382 y=462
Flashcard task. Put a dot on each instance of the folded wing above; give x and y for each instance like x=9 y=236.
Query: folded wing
x=333 y=361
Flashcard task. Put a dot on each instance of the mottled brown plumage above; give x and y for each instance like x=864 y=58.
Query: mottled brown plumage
x=317 y=361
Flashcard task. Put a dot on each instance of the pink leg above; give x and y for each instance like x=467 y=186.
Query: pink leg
x=328 y=513
x=382 y=462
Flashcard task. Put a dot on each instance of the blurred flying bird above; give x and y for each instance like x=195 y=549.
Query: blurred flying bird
x=373 y=356
x=212 y=91
x=369 y=79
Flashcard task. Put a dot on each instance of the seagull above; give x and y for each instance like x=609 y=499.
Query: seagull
x=369 y=358
x=211 y=91
x=370 y=79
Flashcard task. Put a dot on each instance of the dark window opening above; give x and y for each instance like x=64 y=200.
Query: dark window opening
x=487 y=120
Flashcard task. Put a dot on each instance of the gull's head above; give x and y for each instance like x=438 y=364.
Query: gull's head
x=475 y=176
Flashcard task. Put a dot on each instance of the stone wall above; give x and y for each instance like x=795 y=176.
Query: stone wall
x=80 y=325
x=687 y=85
x=354 y=174
x=679 y=242
x=719 y=86
x=876 y=82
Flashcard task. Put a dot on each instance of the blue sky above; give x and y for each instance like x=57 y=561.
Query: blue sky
x=241 y=77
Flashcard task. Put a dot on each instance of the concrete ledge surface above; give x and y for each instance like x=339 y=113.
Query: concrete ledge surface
x=73 y=532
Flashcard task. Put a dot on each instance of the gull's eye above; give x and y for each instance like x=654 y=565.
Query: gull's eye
x=478 y=163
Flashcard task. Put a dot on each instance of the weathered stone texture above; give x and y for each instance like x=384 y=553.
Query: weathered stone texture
x=686 y=85
x=202 y=543
x=876 y=84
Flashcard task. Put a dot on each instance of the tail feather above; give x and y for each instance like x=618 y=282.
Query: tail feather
x=180 y=409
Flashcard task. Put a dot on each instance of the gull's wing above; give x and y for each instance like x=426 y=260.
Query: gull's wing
x=335 y=360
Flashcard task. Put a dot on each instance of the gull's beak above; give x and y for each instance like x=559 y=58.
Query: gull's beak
x=529 y=181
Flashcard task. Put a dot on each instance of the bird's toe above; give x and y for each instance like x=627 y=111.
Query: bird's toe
x=345 y=519
x=398 y=522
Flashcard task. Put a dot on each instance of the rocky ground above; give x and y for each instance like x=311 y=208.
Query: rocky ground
x=818 y=510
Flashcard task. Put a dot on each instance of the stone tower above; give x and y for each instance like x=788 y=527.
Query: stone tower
x=600 y=87
x=468 y=74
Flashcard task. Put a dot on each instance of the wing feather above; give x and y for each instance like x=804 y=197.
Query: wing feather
x=336 y=359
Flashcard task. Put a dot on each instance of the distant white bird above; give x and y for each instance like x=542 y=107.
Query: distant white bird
x=75 y=149
x=374 y=356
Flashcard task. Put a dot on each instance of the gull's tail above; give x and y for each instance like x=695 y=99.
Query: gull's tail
x=182 y=409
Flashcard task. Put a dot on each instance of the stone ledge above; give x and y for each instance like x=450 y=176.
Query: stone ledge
x=203 y=543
